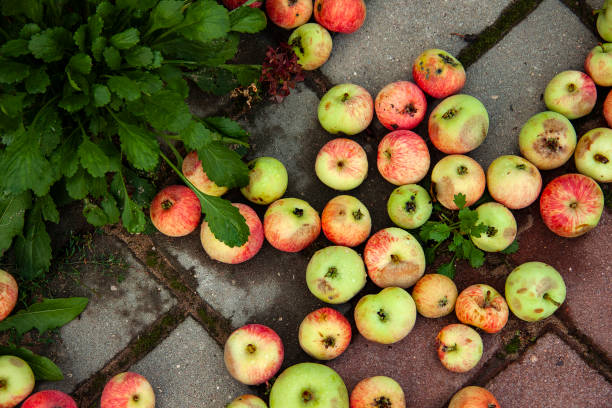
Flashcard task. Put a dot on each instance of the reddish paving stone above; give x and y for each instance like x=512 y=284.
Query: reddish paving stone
x=551 y=374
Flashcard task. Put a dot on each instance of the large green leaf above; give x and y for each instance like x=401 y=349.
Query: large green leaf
x=33 y=248
x=167 y=110
x=50 y=44
x=225 y=221
x=247 y=20
x=227 y=127
x=223 y=166
x=211 y=53
x=12 y=213
x=205 y=20
x=167 y=13
x=11 y=72
x=139 y=146
x=93 y=158
x=43 y=368
x=125 y=39
x=196 y=136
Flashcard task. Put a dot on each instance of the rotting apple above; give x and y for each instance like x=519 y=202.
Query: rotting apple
x=253 y=354
x=593 y=154
x=346 y=221
x=459 y=124
x=193 y=171
x=221 y=252
x=385 y=317
x=534 y=291
x=49 y=399
x=571 y=205
x=598 y=64
x=175 y=211
x=501 y=227
x=434 y=295
x=247 y=401
x=547 y=140
x=291 y=224
x=346 y=108
x=378 y=391
x=289 y=14
x=607 y=109
x=513 y=181
x=403 y=157
x=483 y=307
x=571 y=93
x=394 y=258
x=400 y=105
x=459 y=347
x=335 y=274
x=128 y=390
x=409 y=206
x=473 y=397
x=267 y=180
x=309 y=384
x=324 y=334
x=457 y=174
x=16 y=381
x=341 y=16
x=9 y=293
x=341 y=164
x=438 y=73
x=312 y=44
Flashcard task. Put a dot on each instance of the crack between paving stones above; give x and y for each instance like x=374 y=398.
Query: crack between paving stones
x=584 y=12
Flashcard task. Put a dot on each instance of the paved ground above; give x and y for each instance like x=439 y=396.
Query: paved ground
x=168 y=311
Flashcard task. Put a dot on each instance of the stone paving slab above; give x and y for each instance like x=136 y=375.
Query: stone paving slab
x=551 y=374
x=511 y=77
x=393 y=35
x=122 y=302
x=595 y=4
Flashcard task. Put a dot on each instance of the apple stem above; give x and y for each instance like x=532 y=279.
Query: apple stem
x=487 y=299
x=2 y=384
x=551 y=300
x=446 y=348
x=344 y=97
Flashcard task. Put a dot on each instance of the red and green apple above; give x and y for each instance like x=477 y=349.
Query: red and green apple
x=438 y=73
x=378 y=391
x=291 y=224
x=128 y=390
x=501 y=227
x=175 y=211
x=312 y=44
x=324 y=334
x=400 y=105
x=483 y=307
x=267 y=180
x=571 y=93
x=346 y=221
x=409 y=206
x=513 y=181
x=346 y=108
x=593 y=156
x=403 y=157
x=457 y=174
x=341 y=16
x=434 y=295
x=459 y=347
x=341 y=164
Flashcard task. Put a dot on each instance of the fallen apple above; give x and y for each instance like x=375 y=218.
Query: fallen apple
x=607 y=109
x=49 y=399
x=346 y=221
x=232 y=4
x=128 y=390
x=400 y=105
x=457 y=174
x=571 y=93
x=289 y=14
x=438 y=73
x=604 y=20
x=403 y=157
x=16 y=381
x=341 y=164
x=378 y=391
x=593 y=156
x=513 y=181
x=459 y=347
x=291 y=224
x=324 y=334
x=9 y=293
x=312 y=44
x=193 y=171
x=409 y=206
x=473 y=397
x=434 y=295
x=342 y=16
x=483 y=307
x=346 y=108
x=598 y=64
x=175 y=211
x=267 y=180
x=501 y=227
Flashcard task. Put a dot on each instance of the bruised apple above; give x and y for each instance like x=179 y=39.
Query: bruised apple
x=457 y=174
x=346 y=221
x=438 y=73
x=400 y=105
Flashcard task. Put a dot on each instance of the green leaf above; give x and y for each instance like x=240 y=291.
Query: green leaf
x=430 y=254
x=215 y=80
x=46 y=315
x=97 y=48
x=167 y=13
x=50 y=44
x=132 y=216
x=139 y=146
x=227 y=127
x=460 y=200
x=196 y=136
x=225 y=221
x=204 y=21
x=126 y=39
x=136 y=4
x=434 y=231
x=512 y=248
x=80 y=37
x=101 y=95
x=78 y=184
x=32 y=9
x=43 y=368
x=80 y=63
x=147 y=82
x=28 y=30
x=223 y=166
x=447 y=269
x=467 y=219
x=173 y=77
x=15 y=48
x=12 y=213
x=12 y=72
x=74 y=102
x=124 y=87
x=48 y=126
x=38 y=81
x=65 y=159
x=106 y=213
x=12 y=105
x=112 y=58
x=476 y=257
x=479 y=229
x=142 y=192
x=247 y=20
x=49 y=210
x=105 y=9
x=33 y=248
x=93 y=158
x=139 y=57
x=167 y=110
x=95 y=24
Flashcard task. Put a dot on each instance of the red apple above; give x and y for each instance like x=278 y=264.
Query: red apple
x=403 y=157
x=473 y=397
x=571 y=205
x=324 y=334
x=175 y=211
x=434 y=295
x=342 y=164
x=49 y=399
x=346 y=221
x=291 y=224
x=456 y=174
x=400 y=105
x=438 y=73
x=483 y=307
x=342 y=16
x=192 y=170
x=598 y=64
x=128 y=390
x=253 y=354
x=289 y=13
x=232 y=4
x=8 y=294
x=607 y=109
x=571 y=93
x=378 y=392
x=219 y=251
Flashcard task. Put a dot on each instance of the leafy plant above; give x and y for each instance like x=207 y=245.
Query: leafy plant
x=43 y=368
x=456 y=228
x=88 y=91
x=280 y=72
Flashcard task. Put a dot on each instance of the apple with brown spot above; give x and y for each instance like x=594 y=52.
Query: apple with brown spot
x=593 y=154
x=483 y=307
x=312 y=44
x=9 y=292
x=193 y=171
x=289 y=14
x=438 y=73
x=457 y=174
x=403 y=157
x=341 y=164
x=341 y=16
x=400 y=105
x=324 y=334
x=473 y=397
x=16 y=381
x=501 y=227
x=221 y=252
x=128 y=390
x=49 y=399
x=346 y=221
x=291 y=224
x=571 y=93
x=378 y=392
x=598 y=64
x=459 y=347
x=513 y=181
x=175 y=211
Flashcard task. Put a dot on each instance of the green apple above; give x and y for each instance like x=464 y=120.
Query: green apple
x=513 y=181
x=335 y=274
x=501 y=227
x=386 y=317
x=456 y=174
x=571 y=93
x=341 y=164
x=547 y=140
x=346 y=108
x=459 y=347
x=16 y=381
x=604 y=21
x=534 y=291
x=409 y=206
x=593 y=154
x=267 y=180
x=309 y=385
x=312 y=44
x=247 y=401
x=598 y=64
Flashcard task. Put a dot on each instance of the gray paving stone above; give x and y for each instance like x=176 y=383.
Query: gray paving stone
x=512 y=76
x=393 y=35
x=122 y=302
x=595 y=4
x=187 y=370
